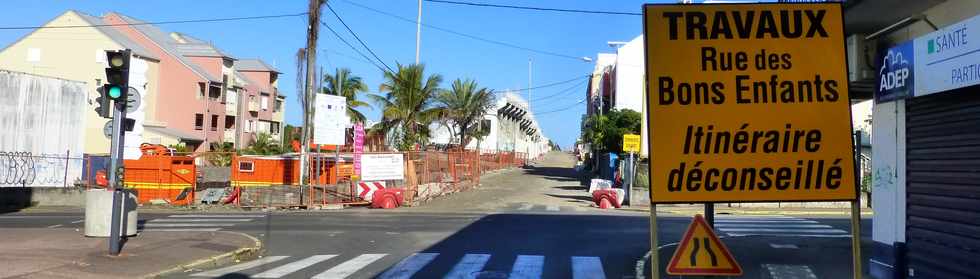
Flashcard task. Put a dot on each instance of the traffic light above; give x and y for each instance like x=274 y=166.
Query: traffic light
x=102 y=103
x=117 y=75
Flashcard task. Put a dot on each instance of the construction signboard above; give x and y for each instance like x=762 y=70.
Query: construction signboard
x=748 y=102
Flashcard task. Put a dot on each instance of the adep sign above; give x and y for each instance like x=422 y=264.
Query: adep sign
x=748 y=103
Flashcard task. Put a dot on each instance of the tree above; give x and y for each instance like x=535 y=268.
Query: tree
x=606 y=132
x=407 y=105
x=221 y=154
x=343 y=83
x=263 y=144
x=463 y=107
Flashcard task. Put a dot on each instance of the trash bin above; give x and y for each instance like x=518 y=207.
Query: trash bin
x=98 y=213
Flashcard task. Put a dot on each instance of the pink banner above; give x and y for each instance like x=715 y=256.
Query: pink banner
x=358 y=147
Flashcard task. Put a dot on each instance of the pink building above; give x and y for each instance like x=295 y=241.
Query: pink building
x=200 y=101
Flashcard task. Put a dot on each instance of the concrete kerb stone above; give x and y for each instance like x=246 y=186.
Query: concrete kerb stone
x=241 y=254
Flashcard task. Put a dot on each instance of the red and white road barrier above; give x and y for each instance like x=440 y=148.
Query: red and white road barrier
x=388 y=198
x=366 y=189
x=608 y=198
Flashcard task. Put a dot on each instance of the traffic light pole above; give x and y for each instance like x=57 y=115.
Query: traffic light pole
x=115 y=181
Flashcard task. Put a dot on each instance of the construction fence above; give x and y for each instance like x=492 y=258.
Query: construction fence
x=230 y=179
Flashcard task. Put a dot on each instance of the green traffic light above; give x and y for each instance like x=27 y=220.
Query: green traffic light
x=115 y=92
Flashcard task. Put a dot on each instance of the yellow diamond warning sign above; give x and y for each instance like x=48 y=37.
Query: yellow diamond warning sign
x=701 y=253
x=748 y=102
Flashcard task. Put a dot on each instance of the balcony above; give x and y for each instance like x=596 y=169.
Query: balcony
x=229 y=135
x=253 y=106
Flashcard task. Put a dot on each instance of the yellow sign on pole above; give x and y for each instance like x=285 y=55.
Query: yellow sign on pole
x=631 y=143
x=700 y=252
x=748 y=103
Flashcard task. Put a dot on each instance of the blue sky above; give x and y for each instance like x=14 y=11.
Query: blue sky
x=452 y=56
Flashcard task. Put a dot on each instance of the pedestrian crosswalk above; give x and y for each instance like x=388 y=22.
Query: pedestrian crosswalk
x=540 y=207
x=189 y=222
x=345 y=266
x=775 y=226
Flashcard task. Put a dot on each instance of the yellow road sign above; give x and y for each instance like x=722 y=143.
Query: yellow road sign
x=748 y=102
x=631 y=143
x=701 y=253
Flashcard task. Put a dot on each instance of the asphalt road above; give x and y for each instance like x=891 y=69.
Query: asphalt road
x=531 y=223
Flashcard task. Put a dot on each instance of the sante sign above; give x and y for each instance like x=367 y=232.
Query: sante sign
x=748 y=102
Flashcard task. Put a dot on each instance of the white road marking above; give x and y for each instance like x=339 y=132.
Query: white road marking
x=795 y=235
x=54 y=226
x=780 y=271
x=468 y=266
x=783 y=230
x=409 y=266
x=200 y=220
x=216 y=216
x=552 y=208
x=527 y=266
x=349 y=267
x=587 y=268
x=157 y=225
x=798 y=226
x=525 y=206
x=783 y=246
x=293 y=266
x=240 y=267
x=184 y=230
x=766 y=221
x=78 y=221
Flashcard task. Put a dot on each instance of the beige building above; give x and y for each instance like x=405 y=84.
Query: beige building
x=45 y=52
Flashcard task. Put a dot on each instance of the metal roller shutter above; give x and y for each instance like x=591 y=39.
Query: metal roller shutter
x=943 y=157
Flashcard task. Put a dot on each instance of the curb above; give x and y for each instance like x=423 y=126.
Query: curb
x=240 y=254
x=748 y=212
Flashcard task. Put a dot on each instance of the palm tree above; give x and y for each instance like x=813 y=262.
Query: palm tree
x=264 y=144
x=408 y=104
x=343 y=83
x=463 y=107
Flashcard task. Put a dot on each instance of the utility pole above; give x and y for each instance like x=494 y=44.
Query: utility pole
x=312 y=33
x=418 y=32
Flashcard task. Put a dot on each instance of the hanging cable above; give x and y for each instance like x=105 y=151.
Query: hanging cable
x=358 y=38
x=533 y=8
x=559 y=93
x=467 y=35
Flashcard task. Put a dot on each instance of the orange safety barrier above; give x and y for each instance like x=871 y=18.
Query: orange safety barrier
x=168 y=178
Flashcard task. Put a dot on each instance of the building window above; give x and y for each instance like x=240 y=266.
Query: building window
x=214 y=122
x=278 y=106
x=274 y=128
x=265 y=101
x=214 y=93
x=198 y=121
x=249 y=126
x=229 y=122
x=246 y=166
x=201 y=88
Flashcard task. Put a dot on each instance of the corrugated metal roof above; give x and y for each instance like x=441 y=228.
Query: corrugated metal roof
x=254 y=65
x=191 y=46
x=168 y=45
x=260 y=86
x=174 y=133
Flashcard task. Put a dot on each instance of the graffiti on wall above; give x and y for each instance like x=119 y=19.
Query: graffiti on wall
x=25 y=169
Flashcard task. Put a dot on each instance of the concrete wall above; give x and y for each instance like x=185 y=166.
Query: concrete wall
x=629 y=76
x=13 y=198
x=888 y=182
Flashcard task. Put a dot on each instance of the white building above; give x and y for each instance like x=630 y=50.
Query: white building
x=511 y=129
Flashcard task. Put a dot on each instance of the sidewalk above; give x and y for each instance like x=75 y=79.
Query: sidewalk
x=723 y=209
x=66 y=253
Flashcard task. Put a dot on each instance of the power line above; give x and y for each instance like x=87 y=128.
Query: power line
x=358 y=38
x=561 y=92
x=561 y=109
x=368 y=59
x=533 y=8
x=154 y=23
x=468 y=35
